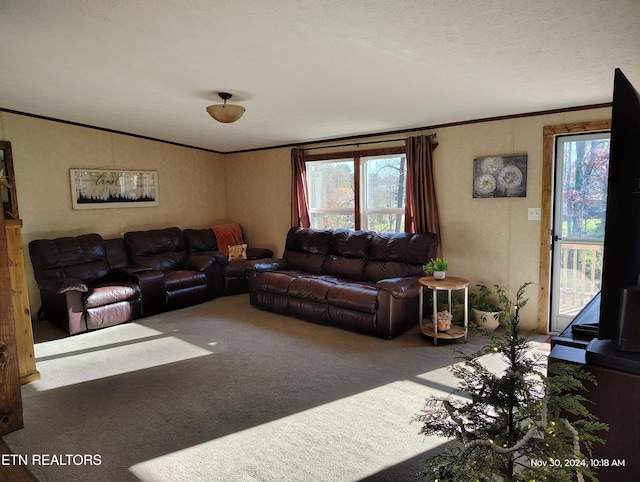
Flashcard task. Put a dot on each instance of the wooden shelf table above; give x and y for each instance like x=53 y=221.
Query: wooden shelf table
x=449 y=284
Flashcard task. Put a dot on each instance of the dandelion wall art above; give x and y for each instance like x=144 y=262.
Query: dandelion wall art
x=500 y=176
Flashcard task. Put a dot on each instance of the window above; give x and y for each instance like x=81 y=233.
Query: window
x=359 y=192
x=332 y=193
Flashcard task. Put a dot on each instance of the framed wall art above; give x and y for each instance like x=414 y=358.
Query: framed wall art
x=113 y=188
x=500 y=176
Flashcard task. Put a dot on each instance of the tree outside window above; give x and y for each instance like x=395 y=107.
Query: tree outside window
x=365 y=192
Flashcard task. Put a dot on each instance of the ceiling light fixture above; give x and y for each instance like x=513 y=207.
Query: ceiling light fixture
x=225 y=112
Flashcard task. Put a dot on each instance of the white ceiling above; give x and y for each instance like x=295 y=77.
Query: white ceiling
x=308 y=69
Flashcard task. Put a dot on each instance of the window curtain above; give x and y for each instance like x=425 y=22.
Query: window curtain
x=421 y=207
x=299 y=194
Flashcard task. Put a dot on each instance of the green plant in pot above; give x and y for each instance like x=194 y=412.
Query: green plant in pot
x=489 y=306
x=507 y=421
x=438 y=267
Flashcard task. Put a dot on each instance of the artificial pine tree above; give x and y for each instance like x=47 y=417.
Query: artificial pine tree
x=511 y=424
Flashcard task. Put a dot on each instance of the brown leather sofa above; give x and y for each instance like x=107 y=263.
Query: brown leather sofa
x=362 y=281
x=234 y=275
x=79 y=289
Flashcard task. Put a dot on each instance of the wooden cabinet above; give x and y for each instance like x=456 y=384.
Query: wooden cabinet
x=21 y=309
x=10 y=394
x=614 y=400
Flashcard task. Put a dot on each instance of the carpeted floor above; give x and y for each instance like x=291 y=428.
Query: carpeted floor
x=225 y=392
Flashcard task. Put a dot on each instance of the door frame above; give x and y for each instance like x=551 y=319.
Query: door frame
x=546 y=214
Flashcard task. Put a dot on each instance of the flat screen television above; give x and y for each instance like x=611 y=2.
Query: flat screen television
x=620 y=294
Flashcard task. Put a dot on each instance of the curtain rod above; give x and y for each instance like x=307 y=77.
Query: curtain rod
x=430 y=136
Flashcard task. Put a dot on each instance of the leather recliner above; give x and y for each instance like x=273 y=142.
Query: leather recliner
x=78 y=287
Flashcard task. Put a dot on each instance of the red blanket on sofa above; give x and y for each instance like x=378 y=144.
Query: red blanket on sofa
x=227 y=235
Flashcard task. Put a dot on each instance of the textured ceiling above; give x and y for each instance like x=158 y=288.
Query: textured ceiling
x=308 y=69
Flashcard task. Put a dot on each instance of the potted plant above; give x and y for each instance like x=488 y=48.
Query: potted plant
x=513 y=423
x=436 y=266
x=489 y=306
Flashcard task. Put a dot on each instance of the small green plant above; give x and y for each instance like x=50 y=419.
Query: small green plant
x=488 y=299
x=434 y=265
x=506 y=421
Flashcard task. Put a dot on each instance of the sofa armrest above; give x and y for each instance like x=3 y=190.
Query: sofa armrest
x=267 y=264
x=400 y=287
x=132 y=270
x=217 y=256
x=152 y=291
x=259 y=253
x=63 y=285
x=199 y=262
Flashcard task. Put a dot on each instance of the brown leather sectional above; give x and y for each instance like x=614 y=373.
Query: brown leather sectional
x=87 y=282
x=362 y=281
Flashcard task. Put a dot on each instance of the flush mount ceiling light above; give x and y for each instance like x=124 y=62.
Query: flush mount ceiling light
x=225 y=112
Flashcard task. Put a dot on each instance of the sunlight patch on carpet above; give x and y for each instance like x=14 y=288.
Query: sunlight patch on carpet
x=348 y=439
x=106 y=353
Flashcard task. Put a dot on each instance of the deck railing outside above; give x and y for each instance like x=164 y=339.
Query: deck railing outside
x=580 y=276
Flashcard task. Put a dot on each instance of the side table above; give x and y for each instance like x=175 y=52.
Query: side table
x=449 y=284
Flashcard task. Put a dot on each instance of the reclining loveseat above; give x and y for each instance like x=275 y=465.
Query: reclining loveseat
x=362 y=281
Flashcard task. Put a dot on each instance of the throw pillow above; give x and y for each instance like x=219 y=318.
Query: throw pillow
x=239 y=251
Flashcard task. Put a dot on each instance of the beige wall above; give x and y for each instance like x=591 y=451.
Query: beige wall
x=191 y=182
x=259 y=195
x=485 y=240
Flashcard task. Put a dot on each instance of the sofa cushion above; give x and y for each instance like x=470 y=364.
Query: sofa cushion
x=312 y=241
x=107 y=294
x=348 y=254
x=310 y=288
x=114 y=314
x=83 y=257
x=183 y=278
x=399 y=255
x=200 y=240
x=353 y=244
x=238 y=251
x=276 y=282
x=354 y=296
x=305 y=249
x=160 y=249
x=311 y=263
